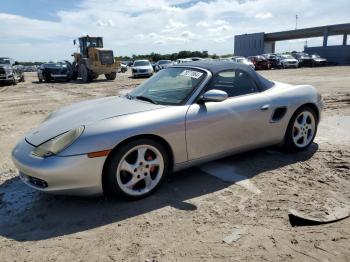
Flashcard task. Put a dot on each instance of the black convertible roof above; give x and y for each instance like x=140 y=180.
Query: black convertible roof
x=215 y=66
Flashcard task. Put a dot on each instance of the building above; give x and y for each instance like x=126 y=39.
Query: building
x=259 y=43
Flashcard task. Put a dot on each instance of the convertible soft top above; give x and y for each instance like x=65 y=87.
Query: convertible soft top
x=217 y=66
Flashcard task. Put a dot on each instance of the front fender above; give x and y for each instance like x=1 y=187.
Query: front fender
x=106 y=134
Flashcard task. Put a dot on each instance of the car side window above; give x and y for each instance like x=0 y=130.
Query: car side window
x=234 y=83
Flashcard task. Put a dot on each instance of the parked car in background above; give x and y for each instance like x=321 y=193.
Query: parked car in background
x=318 y=60
x=183 y=60
x=123 y=67
x=304 y=59
x=225 y=59
x=30 y=68
x=59 y=71
x=273 y=60
x=260 y=62
x=195 y=58
x=288 y=61
x=243 y=60
x=161 y=64
x=186 y=115
x=9 y=72
x=142 y=68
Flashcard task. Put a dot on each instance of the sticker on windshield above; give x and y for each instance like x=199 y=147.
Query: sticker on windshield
x=191 y=73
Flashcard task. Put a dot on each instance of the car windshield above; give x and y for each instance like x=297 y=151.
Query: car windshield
x=142 y=63
x=4 y=61
x=171 y=86
x=162 y=62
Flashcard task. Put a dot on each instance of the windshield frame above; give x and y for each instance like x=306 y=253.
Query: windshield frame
x=191 y=97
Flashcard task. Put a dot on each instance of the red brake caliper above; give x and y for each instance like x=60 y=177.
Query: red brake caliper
x=149 y=158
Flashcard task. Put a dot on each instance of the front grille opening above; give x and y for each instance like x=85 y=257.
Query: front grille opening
x=37 y=182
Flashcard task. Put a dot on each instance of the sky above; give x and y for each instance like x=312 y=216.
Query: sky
x=43 y=30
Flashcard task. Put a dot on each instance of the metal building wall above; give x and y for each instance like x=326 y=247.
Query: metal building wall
x=249 y=44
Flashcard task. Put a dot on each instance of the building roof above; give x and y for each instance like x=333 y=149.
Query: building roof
x=308 y=32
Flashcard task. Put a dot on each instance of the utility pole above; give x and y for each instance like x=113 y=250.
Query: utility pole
x=296 y=22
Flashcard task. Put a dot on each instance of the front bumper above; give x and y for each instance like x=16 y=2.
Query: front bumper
x=59 y=75
x=69 y=175
x=5 y=77
x=142 y=74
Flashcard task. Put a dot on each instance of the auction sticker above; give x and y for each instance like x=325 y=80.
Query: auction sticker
x=191 y=73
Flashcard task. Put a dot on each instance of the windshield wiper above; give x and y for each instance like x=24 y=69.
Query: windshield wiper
x=145 y=98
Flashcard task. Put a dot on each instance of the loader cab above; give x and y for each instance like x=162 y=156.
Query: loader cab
x=87 y=42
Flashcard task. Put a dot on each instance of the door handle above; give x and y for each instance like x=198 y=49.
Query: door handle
x=265 y=107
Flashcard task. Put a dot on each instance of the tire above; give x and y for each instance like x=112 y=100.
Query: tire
x=131 y=157
x=301 y=130
x=22 y=79
x=47 y=78
x=14 y=81
x=85 y=73
x=111 y=76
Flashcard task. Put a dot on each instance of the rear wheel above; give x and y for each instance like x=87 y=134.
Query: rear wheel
x=22 y=78
x=301 y=129
x=136 y=169
x=111 y=76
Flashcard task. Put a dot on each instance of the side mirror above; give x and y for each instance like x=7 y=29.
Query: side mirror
x=214 y=95
x=74 y=42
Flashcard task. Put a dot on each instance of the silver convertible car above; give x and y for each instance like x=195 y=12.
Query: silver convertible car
x=183 y=116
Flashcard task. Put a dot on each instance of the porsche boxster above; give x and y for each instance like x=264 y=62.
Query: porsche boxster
x=183 y=116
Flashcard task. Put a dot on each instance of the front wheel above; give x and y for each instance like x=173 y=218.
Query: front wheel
x=84 y=73
x=136 y=169
x=301 y=129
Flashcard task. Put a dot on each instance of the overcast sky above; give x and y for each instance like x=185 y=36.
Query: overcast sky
x=41 y=30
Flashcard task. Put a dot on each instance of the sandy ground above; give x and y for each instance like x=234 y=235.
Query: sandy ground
x=196 y=209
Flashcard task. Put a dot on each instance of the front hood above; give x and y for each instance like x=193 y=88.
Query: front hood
x=142 y=67
x=85 y=113
x=289 y=60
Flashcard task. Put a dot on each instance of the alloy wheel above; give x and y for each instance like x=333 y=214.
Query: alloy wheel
x=140 y=170
x=303 y=129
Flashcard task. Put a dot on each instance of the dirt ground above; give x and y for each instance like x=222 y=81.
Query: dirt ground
x=195 y=210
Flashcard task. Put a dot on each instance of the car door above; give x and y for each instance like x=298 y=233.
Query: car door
x=240 y=122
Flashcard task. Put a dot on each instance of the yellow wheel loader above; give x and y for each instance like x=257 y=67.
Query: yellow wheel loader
x=94 y=60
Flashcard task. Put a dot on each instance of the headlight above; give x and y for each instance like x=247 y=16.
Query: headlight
x=58 y=143
x=9 y=70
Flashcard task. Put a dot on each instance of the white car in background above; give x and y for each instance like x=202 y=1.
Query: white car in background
x=184 y=60
x=288 y=61
x=242 y=60
x=142 y=68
